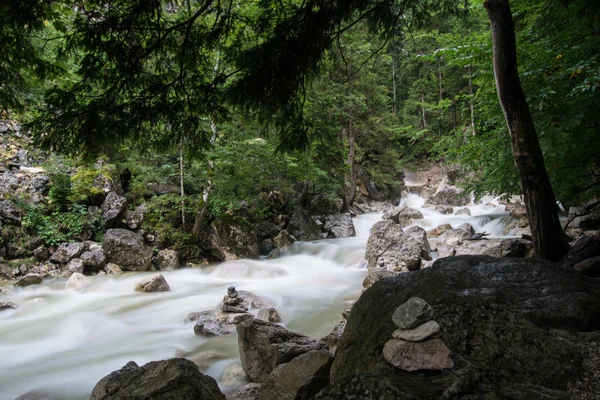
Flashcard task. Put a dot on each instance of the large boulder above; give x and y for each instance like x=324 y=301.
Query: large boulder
x=265 y=345
x=389 y=247
x=66 y=252
x=127 y=249
x=403 y=215
x=112 y=208
x=231 y=241
x=172 y=379
x=449 y=196
x=339 y=226
x=511 y=326
x=300 y=379
x=302 y=227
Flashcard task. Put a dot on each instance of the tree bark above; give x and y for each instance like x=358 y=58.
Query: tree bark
x=182 y=191
x=548 y=239
x=394 y=106
x=351 y=157
x=423 y=111
x=203 y=211
x=471 y=101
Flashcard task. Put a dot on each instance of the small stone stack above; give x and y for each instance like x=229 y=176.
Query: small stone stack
x=232 y=303
x=412 y=347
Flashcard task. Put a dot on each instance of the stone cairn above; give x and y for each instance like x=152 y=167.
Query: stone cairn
x=413 y=346
x=232 y=303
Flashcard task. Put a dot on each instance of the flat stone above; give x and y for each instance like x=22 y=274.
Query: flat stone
x=414 y=356
x=418 y=334
x=412 y=313
x=234 y=309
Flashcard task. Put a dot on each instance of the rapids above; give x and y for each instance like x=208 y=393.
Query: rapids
x=61 y=342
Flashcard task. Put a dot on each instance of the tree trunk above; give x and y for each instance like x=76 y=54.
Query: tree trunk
x=394 y=106
x=203 y=211
x=548 y=239
x=471 y=101
x=423 y=110
x=182 y=192
x=351 y=157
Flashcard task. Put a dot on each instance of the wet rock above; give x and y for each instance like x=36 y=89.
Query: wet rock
x=450 y=197
x=467 y=228
x=127 y=249
x=300 y=379
x=73 y=266
x=414 y=356
x=176 y=378
x=76 y=282
x=153 y=283
x=403 y=215
x=166 y=260
x=444 y=210
x=4 y=291
x=94 y=259
x=339 y=226
x=283 y=239
x=413 y=313
x=41 y=253
x=232 y=318
x=112 y=208
x=589 y=267
x=275 y=253
x=28 y=280
x=210 y=327
x=463 y=211
x=269 y=315
x=348 y=309
x=523 y=222
x=7 y=305
x=66 y=252
x=517 y=211
x=418 y=334
x=264 y=345
x=454 y=237
x=435 y=232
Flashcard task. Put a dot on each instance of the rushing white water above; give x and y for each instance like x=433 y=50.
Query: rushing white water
x=486 y=216
x=62 y=342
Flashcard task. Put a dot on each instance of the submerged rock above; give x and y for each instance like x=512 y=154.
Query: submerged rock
x=172 y=379
x=7 y=305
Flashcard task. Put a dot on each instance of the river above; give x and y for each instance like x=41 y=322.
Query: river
x=61 y=342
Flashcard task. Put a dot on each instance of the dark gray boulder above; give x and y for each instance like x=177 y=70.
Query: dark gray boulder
x=511 y=326
x=265 y=345
x=172 y=379
x=302 y=227
x=126 y=249
x=112 y=208
x=339 y=226
x=66 y=252
x=231 y=241
x=300 y=379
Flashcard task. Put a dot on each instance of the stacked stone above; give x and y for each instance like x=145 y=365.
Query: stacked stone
x=413 y=346
x=232 y=303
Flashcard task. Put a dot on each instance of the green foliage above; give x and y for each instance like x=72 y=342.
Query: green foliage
x=60 y=189
x=82 y=182
x=56 y=227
